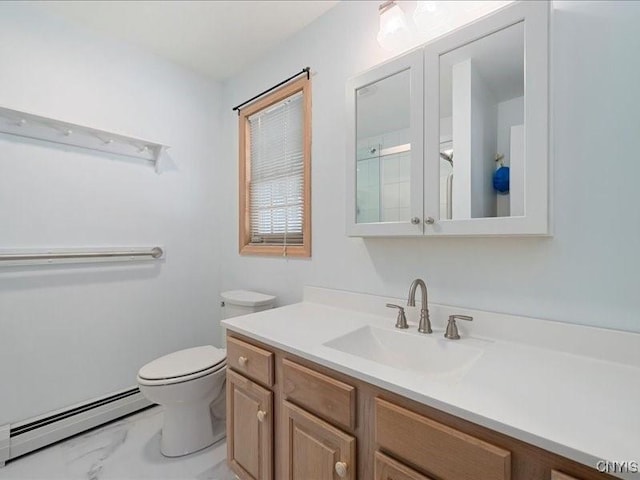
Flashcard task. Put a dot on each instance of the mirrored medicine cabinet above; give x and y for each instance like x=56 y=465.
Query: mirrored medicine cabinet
x=452 y=138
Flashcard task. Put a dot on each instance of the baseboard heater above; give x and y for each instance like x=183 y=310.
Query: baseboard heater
x=29 y=435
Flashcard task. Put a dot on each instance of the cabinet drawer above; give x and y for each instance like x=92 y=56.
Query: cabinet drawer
x=386 y=468
x=253 y=362
x=327 y=397
x=444 y=452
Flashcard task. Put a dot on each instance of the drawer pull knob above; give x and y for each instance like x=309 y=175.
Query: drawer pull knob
x=341 y=469
x=261 y=415
x=243 y=361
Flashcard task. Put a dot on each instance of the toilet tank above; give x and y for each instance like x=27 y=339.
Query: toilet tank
x=242 y=302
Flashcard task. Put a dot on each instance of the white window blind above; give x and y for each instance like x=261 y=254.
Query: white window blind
x=277 y=173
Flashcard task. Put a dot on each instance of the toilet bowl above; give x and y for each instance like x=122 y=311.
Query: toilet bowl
x=186 y=383
x=190 y=384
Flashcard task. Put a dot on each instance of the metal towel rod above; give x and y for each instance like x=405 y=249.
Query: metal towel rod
x=79 y=257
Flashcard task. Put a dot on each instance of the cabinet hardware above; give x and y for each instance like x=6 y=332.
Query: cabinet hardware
x=341 y=469
x=401 y=321
x=452 y=328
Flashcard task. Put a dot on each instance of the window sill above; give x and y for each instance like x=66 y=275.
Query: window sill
x=300 y=251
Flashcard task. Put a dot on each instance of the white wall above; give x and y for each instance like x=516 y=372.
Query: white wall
x=484 y=115
x=587 y=273
x=510 y=113
x=474 y=142
x=461 y=101
x=72 y=333
x=516 y=171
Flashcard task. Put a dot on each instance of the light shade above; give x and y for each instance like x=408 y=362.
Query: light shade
x=433 y=17
x=394 y=32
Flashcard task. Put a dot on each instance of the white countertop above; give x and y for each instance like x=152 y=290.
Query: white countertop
x=569 y=389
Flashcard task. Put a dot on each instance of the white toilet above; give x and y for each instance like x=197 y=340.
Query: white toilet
x=189 y=384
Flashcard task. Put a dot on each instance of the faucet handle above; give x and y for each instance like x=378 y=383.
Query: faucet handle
x=452 y=328
x=401 y=321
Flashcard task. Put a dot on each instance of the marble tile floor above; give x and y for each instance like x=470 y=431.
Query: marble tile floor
x=127 y=449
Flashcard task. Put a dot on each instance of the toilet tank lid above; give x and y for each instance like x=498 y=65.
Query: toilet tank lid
x=245 y=298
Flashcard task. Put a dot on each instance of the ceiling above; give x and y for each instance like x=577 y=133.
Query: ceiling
x=383 y=107
x=215 y=38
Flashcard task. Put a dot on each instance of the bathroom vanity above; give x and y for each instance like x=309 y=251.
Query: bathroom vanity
x=329 y=389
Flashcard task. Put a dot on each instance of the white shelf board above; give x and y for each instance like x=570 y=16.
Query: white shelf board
x=28 y=125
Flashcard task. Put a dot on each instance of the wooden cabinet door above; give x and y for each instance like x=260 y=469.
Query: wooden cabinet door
x=249 y=428
x=315 y=450
x=555 y=475
x=387 y=468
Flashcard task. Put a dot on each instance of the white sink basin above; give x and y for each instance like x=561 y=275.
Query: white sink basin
x=407 y=350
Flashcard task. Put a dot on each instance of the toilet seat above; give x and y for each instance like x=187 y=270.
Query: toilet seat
x=184 y=378
x=183 y=365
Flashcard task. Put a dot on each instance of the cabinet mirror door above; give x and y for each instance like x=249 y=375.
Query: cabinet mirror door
x=385 y=149
x=486 y=127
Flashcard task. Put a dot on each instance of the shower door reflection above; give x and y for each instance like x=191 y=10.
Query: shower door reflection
x=383 y=155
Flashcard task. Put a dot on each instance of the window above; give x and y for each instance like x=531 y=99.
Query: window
x=275 y=173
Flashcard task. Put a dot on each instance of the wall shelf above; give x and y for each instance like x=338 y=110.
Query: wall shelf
x=27 y=125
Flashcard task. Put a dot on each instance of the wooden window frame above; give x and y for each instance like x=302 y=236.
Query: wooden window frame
x=246 y=248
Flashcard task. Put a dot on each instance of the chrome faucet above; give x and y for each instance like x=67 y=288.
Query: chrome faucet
x=425 y=324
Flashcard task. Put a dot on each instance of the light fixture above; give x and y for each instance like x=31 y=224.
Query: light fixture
x=394 y=33
x=433 y=18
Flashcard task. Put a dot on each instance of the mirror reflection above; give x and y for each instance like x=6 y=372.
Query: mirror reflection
x=383 y=162
x=482 y=127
